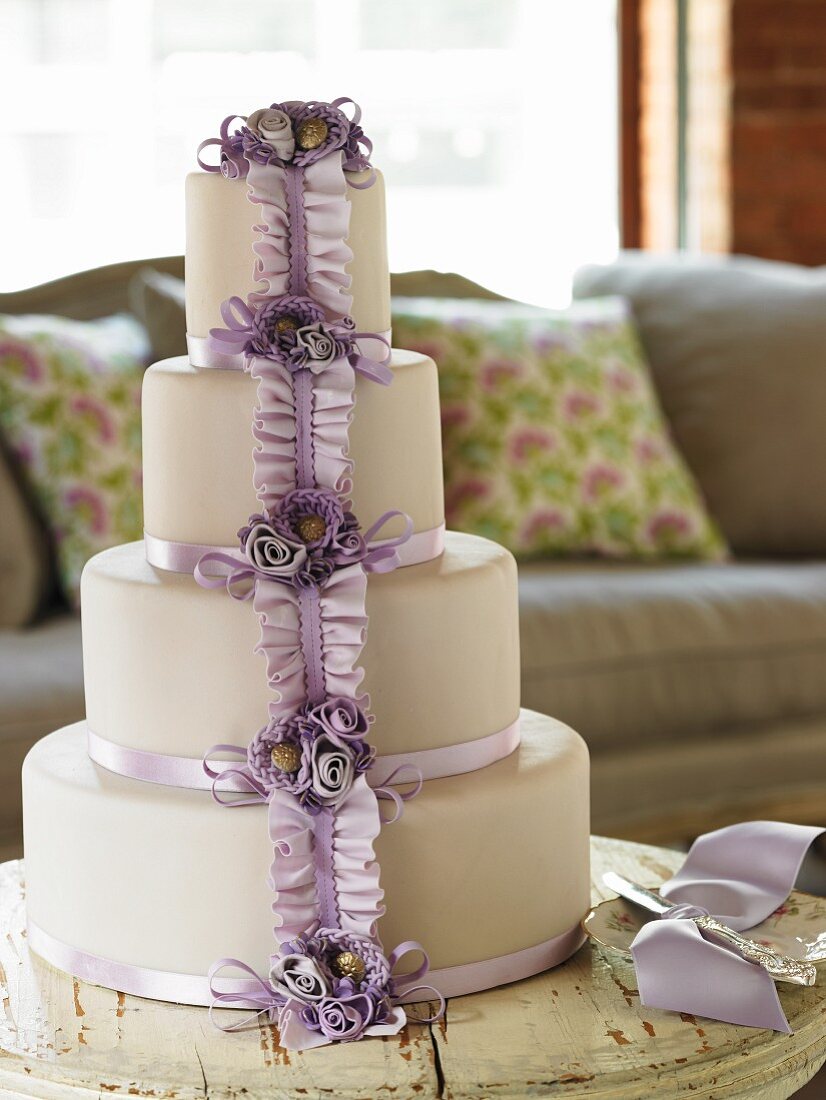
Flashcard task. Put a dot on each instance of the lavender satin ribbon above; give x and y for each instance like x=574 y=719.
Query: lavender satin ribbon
x=194 y=989
x=740 y=875
x=185 y=771
x=368 y=361
x=182 y=557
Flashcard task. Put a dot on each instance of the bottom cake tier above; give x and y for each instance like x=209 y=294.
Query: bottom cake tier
x=143 y=887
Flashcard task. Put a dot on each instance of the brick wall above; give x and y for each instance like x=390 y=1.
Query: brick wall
x=778 y=129
x=756 y=127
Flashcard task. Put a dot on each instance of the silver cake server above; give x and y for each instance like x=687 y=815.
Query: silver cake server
x=782 y=968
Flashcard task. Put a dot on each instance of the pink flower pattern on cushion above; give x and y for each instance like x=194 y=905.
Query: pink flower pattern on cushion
x=70 y=415
x=553 y=439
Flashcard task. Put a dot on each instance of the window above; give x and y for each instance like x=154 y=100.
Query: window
x=493 y=120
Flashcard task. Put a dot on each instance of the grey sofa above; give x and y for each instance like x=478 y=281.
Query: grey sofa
x=701 y=689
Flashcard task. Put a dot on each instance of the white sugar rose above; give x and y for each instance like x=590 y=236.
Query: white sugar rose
x=276 y=129
x=299 y=976
x=271 y=554
x=333 y=769
x=319 y=345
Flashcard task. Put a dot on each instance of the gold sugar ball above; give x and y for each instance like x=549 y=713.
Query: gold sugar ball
x=311 y=133
x=286 y=757
x=349 y=965
x=311 y=528
x=286 y=324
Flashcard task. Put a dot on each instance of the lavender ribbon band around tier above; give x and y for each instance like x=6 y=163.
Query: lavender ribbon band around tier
x=182 y=557
x=202 y=351
x=194 y=989
x=186 y=771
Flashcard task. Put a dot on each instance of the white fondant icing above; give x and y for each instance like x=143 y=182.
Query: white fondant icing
x=219 y=256
x=197 y=450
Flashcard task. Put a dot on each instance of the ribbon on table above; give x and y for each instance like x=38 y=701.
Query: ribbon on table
x=740 y=875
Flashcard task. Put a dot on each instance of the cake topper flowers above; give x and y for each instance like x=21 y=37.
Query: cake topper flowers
x=292 y=134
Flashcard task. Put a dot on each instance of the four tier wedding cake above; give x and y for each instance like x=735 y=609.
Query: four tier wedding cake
x=302 y=693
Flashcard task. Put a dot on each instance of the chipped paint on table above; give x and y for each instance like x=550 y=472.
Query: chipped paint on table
x=579 y=1030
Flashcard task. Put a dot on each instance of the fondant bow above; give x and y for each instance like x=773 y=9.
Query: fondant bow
x=237 y=570
x=379 y=1008
x=234 y=778
x=740 y=875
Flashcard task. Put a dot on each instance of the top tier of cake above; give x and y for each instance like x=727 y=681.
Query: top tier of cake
x=220 y=229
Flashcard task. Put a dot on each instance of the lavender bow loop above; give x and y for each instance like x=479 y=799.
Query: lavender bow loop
x=237 y=570
x=243 y=781
x=740 y=875
x=382 y=556
x=405 y=985
x=678 y=969
x=258 y=994
x=376 y=370
x=388 y=793
x=231 y=163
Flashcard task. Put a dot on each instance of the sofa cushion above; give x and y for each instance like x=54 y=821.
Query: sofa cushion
x=630 y=655
x=737 y=349
x=70 y=414
x=553 y=440
x=25 y=573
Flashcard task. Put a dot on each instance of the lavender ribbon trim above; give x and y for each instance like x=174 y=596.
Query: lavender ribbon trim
x=183 y=557
x=194 y=989
x=186 y=771
x=373 y=346
x=740 y=875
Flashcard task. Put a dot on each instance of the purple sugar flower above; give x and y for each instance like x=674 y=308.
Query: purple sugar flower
x=337 y=124
x=341 y=1020
x=269 y=330
x=318 y=345
x=311 y=516
x=341 y=717
x=280 y=756
x=269 y=552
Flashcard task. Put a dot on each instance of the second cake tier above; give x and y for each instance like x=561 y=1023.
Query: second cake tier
x=170 y=667
x=198 y=450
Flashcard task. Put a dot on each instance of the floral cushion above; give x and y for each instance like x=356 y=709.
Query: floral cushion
x=70 y=414
x=554 y=442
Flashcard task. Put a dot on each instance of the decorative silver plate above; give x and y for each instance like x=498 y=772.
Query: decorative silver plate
x=796 y=928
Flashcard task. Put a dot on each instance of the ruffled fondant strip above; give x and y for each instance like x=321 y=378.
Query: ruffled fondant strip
x=326 y=417
x=306 y=216
x=350 y=872
x=343 y=626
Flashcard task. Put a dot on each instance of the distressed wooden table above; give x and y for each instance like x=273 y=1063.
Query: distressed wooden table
x=578 y=1030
